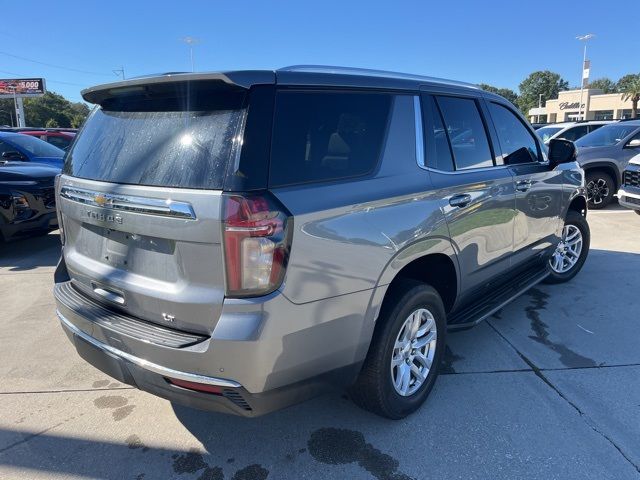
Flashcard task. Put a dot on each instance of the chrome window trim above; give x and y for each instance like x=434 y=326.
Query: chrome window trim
x=147 y=206
x=417 y=110
x=145 y=364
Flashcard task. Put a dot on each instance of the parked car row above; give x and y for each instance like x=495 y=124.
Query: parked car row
x=604 y=150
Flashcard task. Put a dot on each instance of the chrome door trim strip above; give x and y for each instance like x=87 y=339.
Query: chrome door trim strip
x=147 y=206
x=145 y=364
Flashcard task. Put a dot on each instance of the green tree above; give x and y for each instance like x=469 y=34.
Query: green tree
x=605 y=84
x=53 y=108
x=629 y=86
x=51 y=123
x=503 y=92
x=545 y=83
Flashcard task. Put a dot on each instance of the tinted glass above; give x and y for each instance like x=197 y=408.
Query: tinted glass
x=466 y=132
x=321 y=136
x=34 y=146
x=60 y=142
x=437 y=151
x=607 y=135
x=188 y=149
x=545 y=133
x=516 y=141
x=575 y=133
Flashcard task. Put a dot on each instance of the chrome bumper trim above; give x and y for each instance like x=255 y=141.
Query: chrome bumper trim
x=145 y=364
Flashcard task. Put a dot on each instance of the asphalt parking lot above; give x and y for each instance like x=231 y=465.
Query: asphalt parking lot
x=548 y=388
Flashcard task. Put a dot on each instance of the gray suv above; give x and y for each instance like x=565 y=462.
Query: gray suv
x=241 y=241
x=603 y=155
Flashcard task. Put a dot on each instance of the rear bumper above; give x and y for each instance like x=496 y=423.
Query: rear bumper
x=153 y=378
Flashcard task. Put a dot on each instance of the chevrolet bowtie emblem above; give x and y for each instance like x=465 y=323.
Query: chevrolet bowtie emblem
x=101 y=200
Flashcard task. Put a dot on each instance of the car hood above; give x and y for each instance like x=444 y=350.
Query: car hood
x=590 y=153
x=25 y=171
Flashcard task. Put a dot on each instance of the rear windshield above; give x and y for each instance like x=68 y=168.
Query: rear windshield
x=187 y=149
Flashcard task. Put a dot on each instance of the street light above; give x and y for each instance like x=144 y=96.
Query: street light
x=583 y=38
x=191 y=41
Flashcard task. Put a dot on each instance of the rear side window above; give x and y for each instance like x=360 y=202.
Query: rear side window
x=168 y=142
x=466 y=132
x=517 y=142
x=575 y=133
x=320 y=136
x=437 y=151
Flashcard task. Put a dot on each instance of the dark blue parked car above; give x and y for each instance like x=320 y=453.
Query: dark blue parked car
x=19 y=147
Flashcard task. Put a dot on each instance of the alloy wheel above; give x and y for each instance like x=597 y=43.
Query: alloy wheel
x=568 y=251
x=597 y=191
x=413 y=352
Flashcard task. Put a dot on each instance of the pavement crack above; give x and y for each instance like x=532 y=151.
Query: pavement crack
x=30 y=437
x=587 y=420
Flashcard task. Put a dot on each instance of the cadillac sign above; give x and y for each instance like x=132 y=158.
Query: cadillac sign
x=570 y=106
x=22 y=87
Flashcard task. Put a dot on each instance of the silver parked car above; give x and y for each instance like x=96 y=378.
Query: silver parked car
x=240 y=241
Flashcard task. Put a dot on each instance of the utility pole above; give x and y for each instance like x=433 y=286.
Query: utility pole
x=191 y=41
x=539 y=107
x=585 y=68
x=119 y=72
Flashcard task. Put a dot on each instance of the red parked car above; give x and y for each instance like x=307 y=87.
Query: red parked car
x=56 y=138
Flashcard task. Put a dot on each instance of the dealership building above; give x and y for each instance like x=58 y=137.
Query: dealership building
x=596 y=104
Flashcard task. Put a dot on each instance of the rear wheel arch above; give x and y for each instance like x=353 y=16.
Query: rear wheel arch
x=435 y=269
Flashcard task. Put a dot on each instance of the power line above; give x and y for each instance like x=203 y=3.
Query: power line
x=53 y=65
x=47 y=79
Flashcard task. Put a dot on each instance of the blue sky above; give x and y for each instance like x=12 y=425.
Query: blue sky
x=496 y=42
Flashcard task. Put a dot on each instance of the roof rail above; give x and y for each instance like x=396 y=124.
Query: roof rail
x=366 y=72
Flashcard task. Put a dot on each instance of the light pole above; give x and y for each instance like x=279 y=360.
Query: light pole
x=583 y=38
x=539 y=106
x=191 y=41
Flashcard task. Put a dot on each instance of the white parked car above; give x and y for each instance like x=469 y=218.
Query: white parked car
x=629 y=193
x=569 y=130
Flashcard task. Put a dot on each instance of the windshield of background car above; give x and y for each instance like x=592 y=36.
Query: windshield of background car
x=545 y=133
x=607 y=135
x=35 y=146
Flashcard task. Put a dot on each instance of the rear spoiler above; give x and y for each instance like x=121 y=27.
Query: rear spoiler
x=243 y=79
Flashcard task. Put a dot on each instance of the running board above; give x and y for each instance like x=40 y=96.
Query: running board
x=475 y=313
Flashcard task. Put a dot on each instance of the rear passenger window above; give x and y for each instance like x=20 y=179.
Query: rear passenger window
x=575 y=133
x=466 y=132
x=517 y=142
x=320 y=136
x=437 y=151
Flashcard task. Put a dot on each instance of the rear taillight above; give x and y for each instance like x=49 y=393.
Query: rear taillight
x=257 y=240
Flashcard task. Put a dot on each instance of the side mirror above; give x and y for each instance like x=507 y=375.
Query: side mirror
x=12 y=155
x=633 y=143
x=561 y=151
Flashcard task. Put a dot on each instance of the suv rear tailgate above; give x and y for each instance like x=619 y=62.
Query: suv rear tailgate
x=162 y=267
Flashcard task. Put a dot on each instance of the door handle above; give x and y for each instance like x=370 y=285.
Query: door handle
x=523 y=185
x=460 y=200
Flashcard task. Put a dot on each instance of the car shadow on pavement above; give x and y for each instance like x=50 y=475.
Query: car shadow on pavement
x=30 y=253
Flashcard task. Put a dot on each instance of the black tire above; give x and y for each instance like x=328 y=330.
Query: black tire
x=600 y=189
x=374 y=390
x=576 y=219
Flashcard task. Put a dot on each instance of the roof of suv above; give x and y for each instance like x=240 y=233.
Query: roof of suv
x=294 y=75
